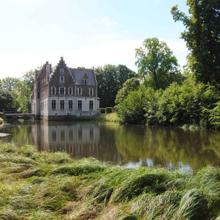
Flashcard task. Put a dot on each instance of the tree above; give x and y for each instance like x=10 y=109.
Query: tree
x=9 y=84
x=202 y=36
x=6 y=101
x=156 y=62
x=29 y=78
x=15 y=94
x=22 y=96
x=110 y=79
x=129 y=86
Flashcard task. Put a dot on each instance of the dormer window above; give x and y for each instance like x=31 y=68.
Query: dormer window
x=91 y=91
x=70 y=90
x=53 y=91
x=62 y=90
x=62 y=79
x=79 y=91
x=84 y=82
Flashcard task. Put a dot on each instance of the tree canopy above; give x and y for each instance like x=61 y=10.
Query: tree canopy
x=156 y=62
x=15 y=94
x=110 y=79
x=202 y=35
x=129 y=86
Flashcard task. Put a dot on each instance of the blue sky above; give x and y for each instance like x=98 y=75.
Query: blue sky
x=85 y=32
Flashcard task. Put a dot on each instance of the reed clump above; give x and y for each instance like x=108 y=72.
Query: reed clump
x=36 y=185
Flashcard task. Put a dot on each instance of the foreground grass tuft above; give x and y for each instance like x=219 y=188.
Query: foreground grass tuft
x=45 y=185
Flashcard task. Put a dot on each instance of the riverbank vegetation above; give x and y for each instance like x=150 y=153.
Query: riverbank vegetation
x=108 y=117
x=186 y=103
x=44 y=185
x=169 y=96
x=15 y=93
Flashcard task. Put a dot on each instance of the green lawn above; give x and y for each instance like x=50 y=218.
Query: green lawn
x=44 y=185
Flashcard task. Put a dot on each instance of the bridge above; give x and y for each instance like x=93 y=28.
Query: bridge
x=19 y=115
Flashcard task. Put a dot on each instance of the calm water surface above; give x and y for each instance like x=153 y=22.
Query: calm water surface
x=131 y=146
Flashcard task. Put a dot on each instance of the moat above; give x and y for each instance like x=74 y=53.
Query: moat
x=130 y=146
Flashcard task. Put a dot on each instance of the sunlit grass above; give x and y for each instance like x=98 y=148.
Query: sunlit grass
x=45 y=185
x=108 y=117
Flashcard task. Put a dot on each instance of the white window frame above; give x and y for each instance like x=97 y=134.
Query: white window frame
x=79 y=91
x=55 y=105
x=70 y=88
x=64 y=90
x=55 y=90
x=91 y=91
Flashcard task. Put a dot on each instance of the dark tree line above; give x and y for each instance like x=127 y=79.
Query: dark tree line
x=110 y=79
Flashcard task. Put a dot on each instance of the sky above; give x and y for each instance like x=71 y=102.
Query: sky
x=87 y=33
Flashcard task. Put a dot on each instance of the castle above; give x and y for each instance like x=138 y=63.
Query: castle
x=64 y=92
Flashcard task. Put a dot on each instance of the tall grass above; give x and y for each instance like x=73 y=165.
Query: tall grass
x=44 y=185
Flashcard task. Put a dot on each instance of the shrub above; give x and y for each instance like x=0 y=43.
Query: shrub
x=108 y=109
x=185 y=104
x=102 y=110
x=132 y=109
x=189 y=103
x=214 y=116
x=129 y=86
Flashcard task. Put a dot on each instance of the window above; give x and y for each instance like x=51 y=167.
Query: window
x=79 y=91
x=70 y=91
x=53 y=91
x=54 y=136
x=91 y=91
x=84 y=82
x=61 y=104
x=53 y=104
x=70 y=104
x=62 y=79
x=90 y=105
x=62 y=91
x=80 y=105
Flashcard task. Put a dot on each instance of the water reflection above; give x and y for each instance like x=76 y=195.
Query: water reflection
x=132 y=146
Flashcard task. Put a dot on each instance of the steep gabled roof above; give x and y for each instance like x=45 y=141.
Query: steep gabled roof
x=77 y=74
x=81 y=74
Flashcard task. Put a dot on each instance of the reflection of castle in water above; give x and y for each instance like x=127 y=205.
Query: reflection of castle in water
x=79 y=140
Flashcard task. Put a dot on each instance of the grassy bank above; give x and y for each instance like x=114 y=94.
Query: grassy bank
x=52 y=186
x=108 y=117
